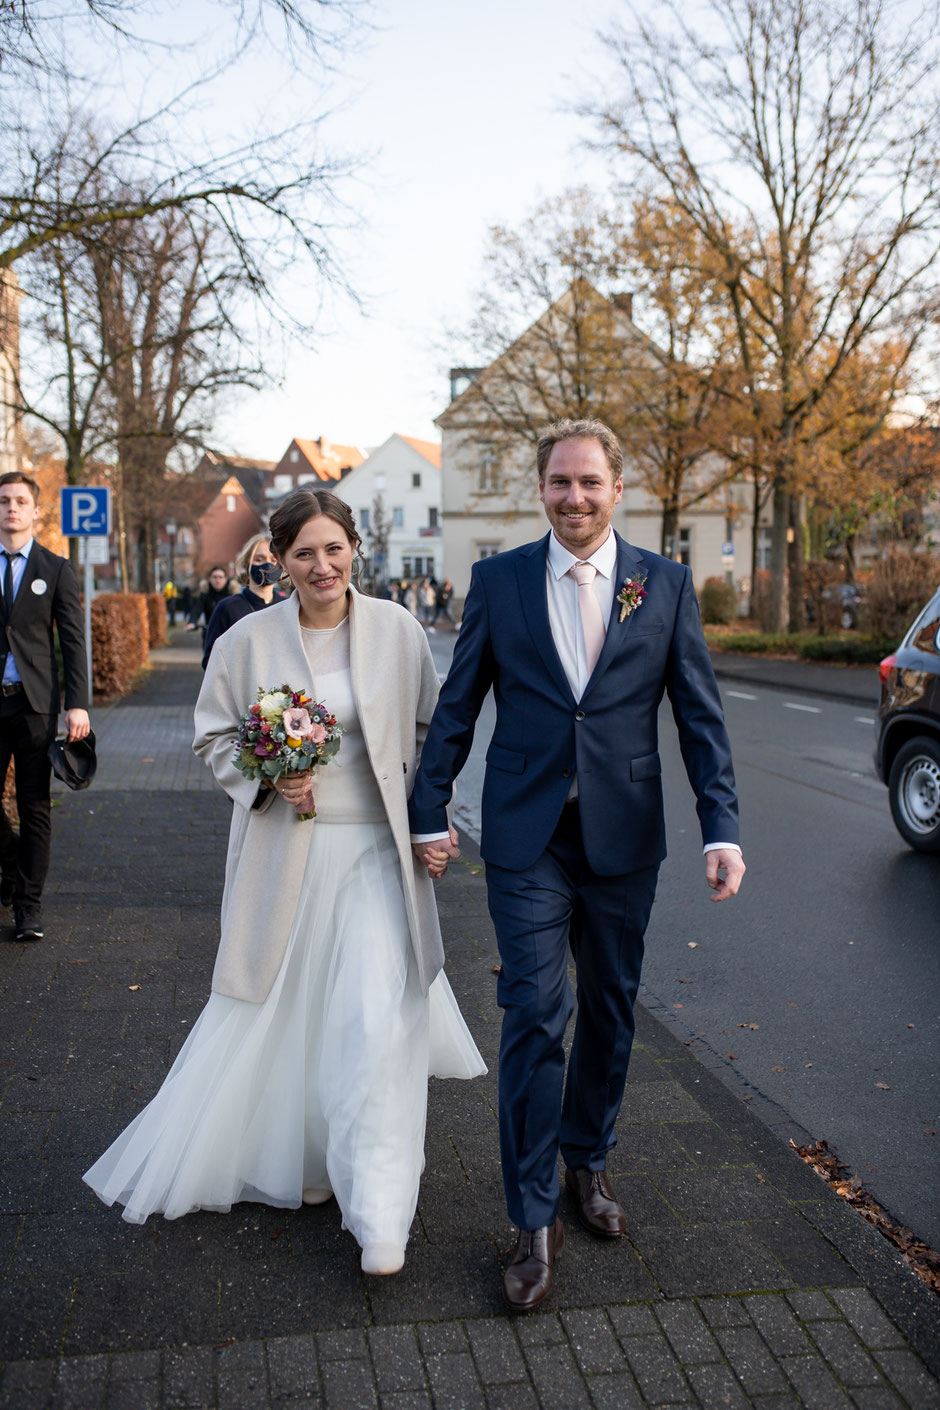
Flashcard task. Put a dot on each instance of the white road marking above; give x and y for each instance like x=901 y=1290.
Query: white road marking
x=809 y=709
x=864 y=719
x=740 y=695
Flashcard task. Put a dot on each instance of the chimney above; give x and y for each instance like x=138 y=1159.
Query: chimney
x=625 y=304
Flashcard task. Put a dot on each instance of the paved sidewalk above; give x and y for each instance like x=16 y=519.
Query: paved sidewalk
x=743 y=1281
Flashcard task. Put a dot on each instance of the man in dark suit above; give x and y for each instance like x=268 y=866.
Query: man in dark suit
x=37 y=591
x=579 y=635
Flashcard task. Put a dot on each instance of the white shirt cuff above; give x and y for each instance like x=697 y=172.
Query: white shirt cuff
x=727 y=846
x=418 y=837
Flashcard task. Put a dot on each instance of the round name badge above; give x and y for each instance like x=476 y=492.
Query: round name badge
x=39 y=586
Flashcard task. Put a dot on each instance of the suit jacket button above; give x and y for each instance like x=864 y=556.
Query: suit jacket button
x=579 y=715
x=566 y=773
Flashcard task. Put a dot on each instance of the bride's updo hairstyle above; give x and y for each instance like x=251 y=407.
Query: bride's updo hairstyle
x=304 y=504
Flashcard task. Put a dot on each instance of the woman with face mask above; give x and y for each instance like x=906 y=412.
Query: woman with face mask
x=256 y=569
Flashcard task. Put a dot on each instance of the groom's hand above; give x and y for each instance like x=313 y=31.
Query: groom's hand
x=435 y=855
x=729 y=862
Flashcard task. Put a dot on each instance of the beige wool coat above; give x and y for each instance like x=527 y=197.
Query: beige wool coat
x=395 y=687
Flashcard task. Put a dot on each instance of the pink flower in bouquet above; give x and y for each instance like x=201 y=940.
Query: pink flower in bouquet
x=296 y=723
x=317 y=733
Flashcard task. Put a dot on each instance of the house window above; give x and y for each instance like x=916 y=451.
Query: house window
x=294 y=456
x=684 y=547
x=398 y=518
x=486 y=550
x=432 y=516
x=230 y=503
x=283 y=482
x=488 y=473
x=364 y=520
x=416 y=480
x=764 y=537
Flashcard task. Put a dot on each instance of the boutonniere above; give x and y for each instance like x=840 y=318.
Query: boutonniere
x=631 y=595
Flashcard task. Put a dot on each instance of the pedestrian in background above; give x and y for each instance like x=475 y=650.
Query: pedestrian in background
x=215 y=591
x=442 y=603
x=428 y=600
x=257 y=570
x=169 y=597
x=39 y=592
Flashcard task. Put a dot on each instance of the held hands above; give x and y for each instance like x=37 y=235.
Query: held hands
x=77 y=723
x=731 y=863
x=435 y=855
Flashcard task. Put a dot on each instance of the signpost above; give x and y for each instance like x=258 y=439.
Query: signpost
x=86 y=515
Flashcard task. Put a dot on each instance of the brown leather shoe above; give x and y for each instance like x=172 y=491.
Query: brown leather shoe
x=528 y=1279
x=597 y=1205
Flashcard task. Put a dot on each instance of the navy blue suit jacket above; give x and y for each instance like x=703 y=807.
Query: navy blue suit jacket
x=609 y=736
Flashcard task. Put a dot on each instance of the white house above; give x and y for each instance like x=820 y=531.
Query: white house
x=490 y=486
x=401 y=480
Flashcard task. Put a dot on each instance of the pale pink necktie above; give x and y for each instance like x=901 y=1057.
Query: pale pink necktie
x=592 y=620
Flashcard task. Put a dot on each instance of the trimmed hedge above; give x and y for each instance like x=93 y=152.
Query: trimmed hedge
x=9 y=796
x=718 y=602
x=849 y=651
x=120 y=641
x=755 y=643
x=156 y=618
x=839 y=650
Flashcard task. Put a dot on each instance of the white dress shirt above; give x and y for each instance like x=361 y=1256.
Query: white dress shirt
x=564 y=614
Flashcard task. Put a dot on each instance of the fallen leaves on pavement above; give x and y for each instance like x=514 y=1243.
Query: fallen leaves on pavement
x=919 y=1256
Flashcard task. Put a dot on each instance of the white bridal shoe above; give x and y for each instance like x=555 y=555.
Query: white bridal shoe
x=383 y=1258
x=315 y=1196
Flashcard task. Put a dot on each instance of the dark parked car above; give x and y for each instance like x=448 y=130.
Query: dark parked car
x=907 y=752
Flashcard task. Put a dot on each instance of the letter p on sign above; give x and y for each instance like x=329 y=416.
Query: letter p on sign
x=86 y=509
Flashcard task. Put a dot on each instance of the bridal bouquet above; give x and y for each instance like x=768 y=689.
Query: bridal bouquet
x=285 y=732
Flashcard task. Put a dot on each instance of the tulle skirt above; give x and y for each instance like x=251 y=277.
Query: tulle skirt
x=324 y=1085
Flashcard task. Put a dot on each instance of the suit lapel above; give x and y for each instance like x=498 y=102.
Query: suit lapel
x=630 y=564
x=531 y=568
x=31 y=572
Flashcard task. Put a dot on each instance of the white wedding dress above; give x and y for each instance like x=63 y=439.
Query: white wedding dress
x=324 y=1085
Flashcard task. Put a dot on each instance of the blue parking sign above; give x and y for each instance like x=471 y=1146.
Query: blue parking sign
x=86 y=509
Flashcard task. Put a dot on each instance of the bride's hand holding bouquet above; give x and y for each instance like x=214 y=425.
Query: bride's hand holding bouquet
x=282 y=738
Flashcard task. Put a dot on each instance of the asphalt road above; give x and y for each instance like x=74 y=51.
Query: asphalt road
x=817 y=988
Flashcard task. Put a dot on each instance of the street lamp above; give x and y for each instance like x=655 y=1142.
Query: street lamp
x=171 y=538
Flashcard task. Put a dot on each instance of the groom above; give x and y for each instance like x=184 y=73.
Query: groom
x=579 y=635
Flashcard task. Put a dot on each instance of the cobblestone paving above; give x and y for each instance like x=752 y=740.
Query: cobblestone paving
x=743 y=1280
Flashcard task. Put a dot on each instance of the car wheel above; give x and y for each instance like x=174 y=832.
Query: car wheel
x=914 y=793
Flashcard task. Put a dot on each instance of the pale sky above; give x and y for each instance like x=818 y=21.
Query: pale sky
x=461 y=106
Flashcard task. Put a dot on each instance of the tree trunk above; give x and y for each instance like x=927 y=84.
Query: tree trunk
x=850 y=566
x=778 y=554
x=796 y=559
x=670 y=529
x=140 y=559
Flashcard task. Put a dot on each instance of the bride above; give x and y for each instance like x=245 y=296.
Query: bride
x=305 y=1076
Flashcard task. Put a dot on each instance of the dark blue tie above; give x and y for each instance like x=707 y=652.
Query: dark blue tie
x=8 y=583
